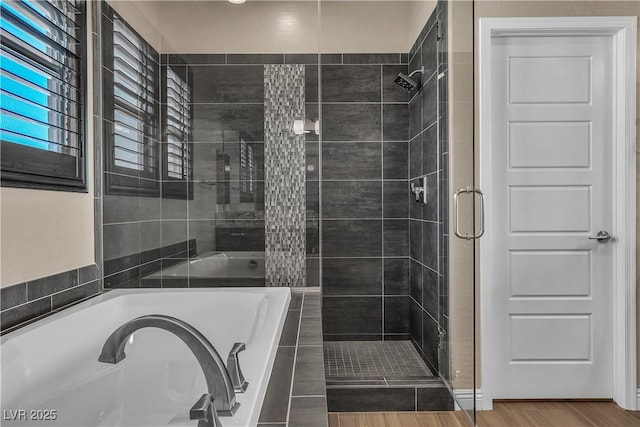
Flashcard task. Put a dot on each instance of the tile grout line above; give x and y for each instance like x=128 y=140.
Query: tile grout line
x=320 y=177
x=295 y=359
x=47 y=295
x=382 y=239
x=48 y=313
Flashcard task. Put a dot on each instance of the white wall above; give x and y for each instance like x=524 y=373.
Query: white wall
x=277 y=26
x=372 y=26
x=44 y=233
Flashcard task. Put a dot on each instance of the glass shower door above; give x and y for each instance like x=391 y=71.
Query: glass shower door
x=396 y=144
x=463 y=204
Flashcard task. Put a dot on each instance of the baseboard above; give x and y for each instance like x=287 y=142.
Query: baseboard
x=464 y=399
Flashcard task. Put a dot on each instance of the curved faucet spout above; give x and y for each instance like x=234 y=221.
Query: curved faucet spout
x=215 y=373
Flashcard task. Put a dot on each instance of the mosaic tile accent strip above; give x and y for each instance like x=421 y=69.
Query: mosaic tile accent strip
x=284 y=170
x=363 y=360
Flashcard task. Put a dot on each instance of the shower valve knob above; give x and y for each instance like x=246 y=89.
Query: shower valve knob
x=418 y=191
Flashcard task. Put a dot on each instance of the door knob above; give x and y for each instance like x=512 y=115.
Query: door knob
x=601 y=237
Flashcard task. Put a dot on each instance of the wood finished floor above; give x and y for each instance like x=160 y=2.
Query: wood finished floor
x=504 y=414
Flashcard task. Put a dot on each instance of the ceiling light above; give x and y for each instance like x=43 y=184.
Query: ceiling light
x=237 y=1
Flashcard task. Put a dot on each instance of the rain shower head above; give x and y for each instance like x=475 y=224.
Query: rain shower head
x=406 y=81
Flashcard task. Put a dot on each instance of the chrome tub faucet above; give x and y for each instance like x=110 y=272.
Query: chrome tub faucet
x=221 y=397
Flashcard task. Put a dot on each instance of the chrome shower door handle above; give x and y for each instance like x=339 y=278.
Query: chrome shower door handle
x=480 y=233
x=456 y=217
x=456 y=223
x=602 y=236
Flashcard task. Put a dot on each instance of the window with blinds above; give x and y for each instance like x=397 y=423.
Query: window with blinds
x=42 y=53
x=132 y=142
x=177 y=156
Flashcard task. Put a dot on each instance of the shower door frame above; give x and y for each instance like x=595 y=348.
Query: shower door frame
x=623 y=31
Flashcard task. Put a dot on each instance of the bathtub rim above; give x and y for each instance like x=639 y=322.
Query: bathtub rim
x=110 y=294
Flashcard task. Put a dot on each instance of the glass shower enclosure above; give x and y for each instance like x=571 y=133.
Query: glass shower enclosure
x=272 y=144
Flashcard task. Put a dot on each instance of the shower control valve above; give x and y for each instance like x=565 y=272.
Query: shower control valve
x=418 y=190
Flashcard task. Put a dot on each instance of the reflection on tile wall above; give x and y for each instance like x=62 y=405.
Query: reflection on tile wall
x=285 y=187
x=365 y=198
x=143 y=232
x=227 y=210
x=428 y=233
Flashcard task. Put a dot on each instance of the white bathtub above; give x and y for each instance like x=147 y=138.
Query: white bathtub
x=210 y=269
x=52 y=364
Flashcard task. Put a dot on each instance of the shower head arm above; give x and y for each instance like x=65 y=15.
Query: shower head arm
x=420 y=70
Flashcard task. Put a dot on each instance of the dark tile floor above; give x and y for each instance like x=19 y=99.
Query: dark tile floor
x=374 y=376
x=373 y=360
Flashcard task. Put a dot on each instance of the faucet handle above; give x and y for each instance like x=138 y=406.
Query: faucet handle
x=204 y=412
x=233 y=367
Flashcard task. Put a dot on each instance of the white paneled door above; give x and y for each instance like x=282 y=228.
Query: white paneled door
x=552 y=188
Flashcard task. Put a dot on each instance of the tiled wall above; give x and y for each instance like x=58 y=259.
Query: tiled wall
x=364 y=180
x=27 y=301
x=229 y=116
x=296 y=395
x=365 y=198
x=428 y=234
x=226 y=212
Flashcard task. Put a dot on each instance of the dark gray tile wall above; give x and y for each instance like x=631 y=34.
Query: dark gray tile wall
x=364 y=171
x=365 y=198
x=227 y=210
x=428 y=232
x=297 y=379
x=143 y=234
x=28 y=301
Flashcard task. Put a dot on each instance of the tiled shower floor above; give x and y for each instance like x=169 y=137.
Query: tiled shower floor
x=373 y=362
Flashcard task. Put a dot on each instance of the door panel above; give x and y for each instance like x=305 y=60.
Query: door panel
x=531 y=142
x=552 y=191
x=532 y=342
x=549 y=208
x=541 y=273
x=549 y=80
